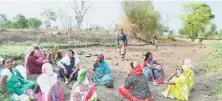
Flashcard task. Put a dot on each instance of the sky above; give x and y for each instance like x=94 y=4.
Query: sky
x=105 y=13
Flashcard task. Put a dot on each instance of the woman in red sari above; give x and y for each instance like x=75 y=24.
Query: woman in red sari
x=34 y=67
x=136 y=86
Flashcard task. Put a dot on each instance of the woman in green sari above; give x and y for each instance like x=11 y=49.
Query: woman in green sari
x=11 y=81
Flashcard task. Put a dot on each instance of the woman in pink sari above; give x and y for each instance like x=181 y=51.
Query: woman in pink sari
x=48 y=84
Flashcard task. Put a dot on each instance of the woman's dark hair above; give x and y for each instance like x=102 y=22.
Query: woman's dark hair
x=32 y=53
x=155 y=37
x=3 y=62
x=131 y=64
x=71 y=51
x=59 y=55
x=147 y=55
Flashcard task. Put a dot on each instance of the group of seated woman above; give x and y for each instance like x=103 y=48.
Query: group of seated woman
x=136 y=86
x=45 y=89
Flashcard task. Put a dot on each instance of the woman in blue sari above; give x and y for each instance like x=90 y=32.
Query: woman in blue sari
x=102 y=73
x=152 y=69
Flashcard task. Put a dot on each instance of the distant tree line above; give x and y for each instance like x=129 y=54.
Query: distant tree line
x=19 y=22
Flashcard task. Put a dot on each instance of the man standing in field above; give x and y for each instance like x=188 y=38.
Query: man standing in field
x=122 y=42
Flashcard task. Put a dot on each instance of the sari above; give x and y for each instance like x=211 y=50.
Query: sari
x=122 y=49
x=47 y=81
x=179 y=90
x=34 y=67
x=188 y=73
x=146 y=70
x=83 y=89
x=136 y=83
x=39 y=56
x=122 y=42
x=100 y=70
x=16 y=84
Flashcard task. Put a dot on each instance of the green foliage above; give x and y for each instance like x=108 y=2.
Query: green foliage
x=212 y=62
x=34 y=23
x=171 y=35
x=193 y=23
x=15 y=52
x=218 y=89
x=161 y=30
x=18 y=22
x=142 y=14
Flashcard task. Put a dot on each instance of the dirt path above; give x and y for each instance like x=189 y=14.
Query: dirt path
x=170 y=56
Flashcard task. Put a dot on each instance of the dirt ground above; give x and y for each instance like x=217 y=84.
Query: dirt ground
x=170 y=56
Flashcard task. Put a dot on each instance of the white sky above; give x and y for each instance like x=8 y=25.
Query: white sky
x=104 y=12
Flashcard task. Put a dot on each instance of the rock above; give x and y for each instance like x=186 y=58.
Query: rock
x=81 y=53
x=108 y=59
x=116 y=64
x=194 y=50
x=88 y=55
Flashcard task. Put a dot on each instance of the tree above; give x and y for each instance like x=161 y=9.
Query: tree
x=50 y=15
x=193 y=23
x=143 y=15
x=34 y=23
x=3 y=17
x=65 y=19
x=21 y=21
x=80 y=10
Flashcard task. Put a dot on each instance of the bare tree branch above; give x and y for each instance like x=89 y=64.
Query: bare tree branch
x=80 y=12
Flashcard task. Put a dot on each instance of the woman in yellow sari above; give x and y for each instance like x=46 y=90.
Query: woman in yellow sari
x=180 y=84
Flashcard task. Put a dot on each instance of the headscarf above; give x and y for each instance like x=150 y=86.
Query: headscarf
x=137 y=70
x=56 y=48
x=28 y=52
x=47 y=79
x=101 y=56
x=188 y=73
x=188 y=62
x=84 y=87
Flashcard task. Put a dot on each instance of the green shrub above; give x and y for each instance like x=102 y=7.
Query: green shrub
x=218 y=89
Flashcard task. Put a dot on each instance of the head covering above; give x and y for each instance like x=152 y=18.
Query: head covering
x=101 y=56
x=47 y=69
x=137 y=69
x=188 y=63
x=35 y=45
x=28 y=52
x=1 y=60
x=56 y=48
x=47 y=79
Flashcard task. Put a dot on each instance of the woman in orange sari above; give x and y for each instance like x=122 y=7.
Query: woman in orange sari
x=136 y=86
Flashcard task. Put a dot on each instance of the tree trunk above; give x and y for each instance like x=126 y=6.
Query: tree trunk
x=192 y=39
x=200 y=40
